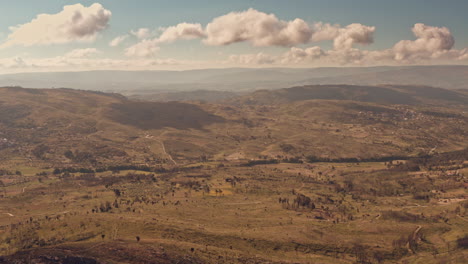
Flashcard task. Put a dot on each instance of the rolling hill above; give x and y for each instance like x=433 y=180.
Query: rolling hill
x=384 y=94
x=100 y=129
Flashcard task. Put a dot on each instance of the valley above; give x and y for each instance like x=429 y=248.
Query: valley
x=313 y=174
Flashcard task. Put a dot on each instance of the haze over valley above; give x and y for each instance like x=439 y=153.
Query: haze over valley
x=240 y=79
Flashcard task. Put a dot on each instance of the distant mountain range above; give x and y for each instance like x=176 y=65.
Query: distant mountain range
x=241 y=79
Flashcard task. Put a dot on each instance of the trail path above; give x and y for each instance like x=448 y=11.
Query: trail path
x=302 y=187
x=414 y=236
x=167 y=154
x=415 y=233
x=164 y=147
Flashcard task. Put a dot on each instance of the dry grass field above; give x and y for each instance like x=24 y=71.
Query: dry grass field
x=102 y=179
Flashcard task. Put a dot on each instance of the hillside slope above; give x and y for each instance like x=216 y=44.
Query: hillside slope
x=384 y=94
x=98 y=128
x=65 y=127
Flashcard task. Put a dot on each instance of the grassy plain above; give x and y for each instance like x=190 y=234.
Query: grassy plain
x=365 y=213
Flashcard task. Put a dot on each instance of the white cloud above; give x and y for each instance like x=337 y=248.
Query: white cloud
x=303 y=57
x=141 y=33
x=73 y=23
x=430 y=42
x=432 y=45
x=258 y=28
x=181 y=31
x=353 y=34
x=343 y=37
x=325 y=31
x=463 y=54
x=77 y=23
x=145 y=48
x=297 y=55
x=149 y=47
x=253 y=59
x=118 y=40
x=81 y=53
x=261 y=29
x=70 y=63
x=13 y=63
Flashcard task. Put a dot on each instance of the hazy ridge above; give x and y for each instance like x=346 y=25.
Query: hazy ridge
x=242 y=79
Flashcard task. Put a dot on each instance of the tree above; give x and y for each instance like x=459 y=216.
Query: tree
x=24 y=237
x=361 y=254
x=2 y=184
x=463 y=242
x=40 y=151
x=117 y=192
x=69 y=154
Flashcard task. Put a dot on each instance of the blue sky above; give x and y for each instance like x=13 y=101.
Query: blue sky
x=381 y=25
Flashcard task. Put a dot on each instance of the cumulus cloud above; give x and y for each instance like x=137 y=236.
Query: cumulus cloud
x=343 y=37
x=149 y=47
x=73 y=23
x=325 y=31
x=296 y=55
x=262 y=29
x=141 y=33
x=144 y=48
x=430 y=42
x=181 y=31
x=305 y=56
x=432 y=45
x=258 y=28
x=118 y=40
x=77 y=23
x=463 y=54
x=353 y=34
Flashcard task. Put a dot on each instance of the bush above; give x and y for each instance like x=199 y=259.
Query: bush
x=463 y=242
x=401 y=216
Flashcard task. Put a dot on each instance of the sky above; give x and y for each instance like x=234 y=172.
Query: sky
x=66 y=35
